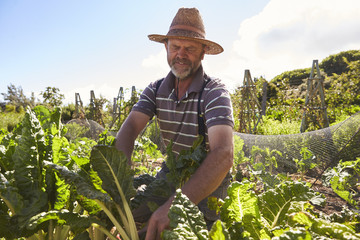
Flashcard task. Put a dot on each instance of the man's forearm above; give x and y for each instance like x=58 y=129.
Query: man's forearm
x=209 y=175
x=125 y=138
x=123 y=143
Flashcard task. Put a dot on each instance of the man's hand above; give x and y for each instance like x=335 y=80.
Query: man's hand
x=158 y=222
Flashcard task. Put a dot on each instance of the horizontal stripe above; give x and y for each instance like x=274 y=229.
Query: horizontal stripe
x=217 y=107
x=173 y=111
x=178 y=133
x=174 y=122
x=171 y=100
x=178 y=144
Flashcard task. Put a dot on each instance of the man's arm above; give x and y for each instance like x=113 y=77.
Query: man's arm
x=215 y=167
x=205 y=180
x=130 y=129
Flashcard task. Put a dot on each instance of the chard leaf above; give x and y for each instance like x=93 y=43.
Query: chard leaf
x=186 y=220
x=8 y=228
x=324 y=228
x=275 y=203
x=241 y=201
x=7 y=148
x=219 y=232
x=83 y=187
x=241 y=205
x=78 y=223
x=297 y=233
x=343 y=178
x=10 y=195
x=28 y=161
x=61 y=192
x=157 y=187
x=182 y=167
x=112 y=167
x=60 y=152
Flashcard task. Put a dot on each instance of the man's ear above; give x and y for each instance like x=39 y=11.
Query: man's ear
x=206 y=48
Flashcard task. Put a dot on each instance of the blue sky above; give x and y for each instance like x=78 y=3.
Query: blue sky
x=84 y=45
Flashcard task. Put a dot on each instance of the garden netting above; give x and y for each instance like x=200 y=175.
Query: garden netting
x=323 y=148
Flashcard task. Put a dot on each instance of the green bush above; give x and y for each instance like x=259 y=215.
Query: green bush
x=68 y=112
x=75 y=131
x=10 y=108
x=275 y=127
x=8 y=120
x=337 y=63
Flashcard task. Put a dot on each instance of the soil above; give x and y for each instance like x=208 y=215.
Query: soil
x=334 y=203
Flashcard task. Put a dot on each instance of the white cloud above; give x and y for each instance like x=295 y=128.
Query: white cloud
x=157 y=63
x=290 y=34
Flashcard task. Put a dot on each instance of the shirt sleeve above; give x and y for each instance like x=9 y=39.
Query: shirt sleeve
x=147 y=101
x=218 y=107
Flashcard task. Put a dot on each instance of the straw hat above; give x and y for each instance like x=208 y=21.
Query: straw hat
x=188 y=24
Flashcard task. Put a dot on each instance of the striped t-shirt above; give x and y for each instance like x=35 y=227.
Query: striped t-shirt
x=178 y=120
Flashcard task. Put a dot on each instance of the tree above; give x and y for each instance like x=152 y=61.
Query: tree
x=16 y=97
x=52 y=96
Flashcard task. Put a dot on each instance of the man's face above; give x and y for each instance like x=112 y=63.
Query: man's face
x=184 y=57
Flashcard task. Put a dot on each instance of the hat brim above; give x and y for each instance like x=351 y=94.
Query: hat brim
x=212 y=47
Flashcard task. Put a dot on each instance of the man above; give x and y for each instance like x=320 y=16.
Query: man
x=175 y=102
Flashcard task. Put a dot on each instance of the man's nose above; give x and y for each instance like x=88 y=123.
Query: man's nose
x=182 y=52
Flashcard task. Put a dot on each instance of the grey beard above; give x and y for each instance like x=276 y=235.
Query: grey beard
x=183 y=75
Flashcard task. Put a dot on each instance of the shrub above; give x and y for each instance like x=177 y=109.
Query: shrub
x=8 y=120
x=276 y=127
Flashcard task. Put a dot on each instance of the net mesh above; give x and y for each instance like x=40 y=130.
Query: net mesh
x=323 y=148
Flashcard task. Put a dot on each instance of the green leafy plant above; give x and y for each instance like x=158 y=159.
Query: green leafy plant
x=265 y=156
x=183 y=166
x=27 y=189
x=110 y=187
x=344 y=179
x=185 y=215
x=282 y=212
x=145 y=152
x=306 y=163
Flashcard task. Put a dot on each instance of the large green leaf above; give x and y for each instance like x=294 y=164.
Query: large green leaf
x=7 y=149
x=60 y=150
x=275 y=203
x=241 y=205
x=326 y=229
x=78 y=223
x=186 y=220
x=154 y=187
x=83 y=186
x=241 y=201
x=343 y=179
x=10 y=195
x=219 y=232
x=8 y=229
x=182 y=167
x=297 y=233
x=28 y=161
x=112 y=167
